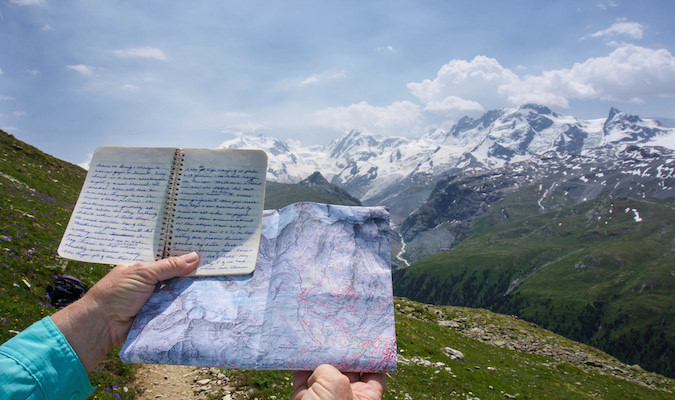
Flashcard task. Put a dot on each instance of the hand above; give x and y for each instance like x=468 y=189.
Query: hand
x=328 y=383
x=101 y=319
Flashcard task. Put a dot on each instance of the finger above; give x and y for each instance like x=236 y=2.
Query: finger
x=300 y=383
x=353 y=376
x=173 y=266
x=379 y=379
x=323 y=370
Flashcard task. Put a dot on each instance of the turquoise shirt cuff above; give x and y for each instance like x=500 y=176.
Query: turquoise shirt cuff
x=39 y=363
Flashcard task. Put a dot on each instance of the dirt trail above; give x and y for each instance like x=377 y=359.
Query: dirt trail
x=167 y=382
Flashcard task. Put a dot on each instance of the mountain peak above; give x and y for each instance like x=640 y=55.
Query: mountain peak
x=316 y=179
x=319 y=183
x=538 y=108
x=613 y=112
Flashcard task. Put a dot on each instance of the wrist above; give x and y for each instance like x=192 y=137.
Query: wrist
x=86 y=330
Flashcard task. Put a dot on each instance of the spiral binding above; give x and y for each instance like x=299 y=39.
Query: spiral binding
x=164 y=245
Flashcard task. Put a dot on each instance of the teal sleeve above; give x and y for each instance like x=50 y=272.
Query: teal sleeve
x=39 y=363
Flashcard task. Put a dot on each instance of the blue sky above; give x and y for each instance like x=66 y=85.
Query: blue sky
x=75 y=75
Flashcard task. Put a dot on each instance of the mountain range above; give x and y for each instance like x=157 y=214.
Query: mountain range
x=561 y=221
x=400 y=172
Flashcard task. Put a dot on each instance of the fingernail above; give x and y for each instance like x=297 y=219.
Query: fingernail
x=190 y=257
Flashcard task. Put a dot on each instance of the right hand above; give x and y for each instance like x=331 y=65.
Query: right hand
x=328 y=383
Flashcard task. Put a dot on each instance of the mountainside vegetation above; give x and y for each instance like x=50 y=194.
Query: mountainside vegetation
x=448 y=352
x=600 y=272
x=501 y=356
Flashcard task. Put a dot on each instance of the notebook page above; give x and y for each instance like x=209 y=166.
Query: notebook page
x=218 y=209
x=118 y=213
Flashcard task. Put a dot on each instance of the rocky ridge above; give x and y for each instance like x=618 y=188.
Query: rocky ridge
x=554 y=180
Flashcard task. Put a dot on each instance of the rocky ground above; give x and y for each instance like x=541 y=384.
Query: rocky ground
x=511 y=333
x=168 y=382
x=174 y=382
x=178 y=382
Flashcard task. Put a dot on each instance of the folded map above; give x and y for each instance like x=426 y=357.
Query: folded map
x=321 y=293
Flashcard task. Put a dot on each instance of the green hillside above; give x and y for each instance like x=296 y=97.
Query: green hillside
x=37 y=195
x=502 y=356
x=279 y=195
x=600 y=272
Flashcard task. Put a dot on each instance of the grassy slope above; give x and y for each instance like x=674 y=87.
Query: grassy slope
x=487 y=371
x=590 y=272
x=37 y=193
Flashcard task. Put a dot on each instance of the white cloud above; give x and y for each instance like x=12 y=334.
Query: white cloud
x=464 y=85
x=606 y=5
x=19 y=114
x=82 y=69
x=141 y=52
x=6 y=98
x=47 y=28
x=400 y=116
x=309 y=80
x=129 y=86
x=29 y=2
x=452 y=104
x=85 y=165
x=387 y=49
x=244 y=128
x=629 y=73
x=624 y=28
x=322 y=77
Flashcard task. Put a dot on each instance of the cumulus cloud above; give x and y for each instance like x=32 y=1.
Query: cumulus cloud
x=141 y=52
x=82 y=69
x=621 y=28
x=400 y=116
x=452 y=104
x=629 y=73
x=462 y=85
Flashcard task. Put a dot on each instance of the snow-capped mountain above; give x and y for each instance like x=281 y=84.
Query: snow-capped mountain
x=546 y=182
x=400 y=172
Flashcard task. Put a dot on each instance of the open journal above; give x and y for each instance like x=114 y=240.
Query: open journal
x=143 y=204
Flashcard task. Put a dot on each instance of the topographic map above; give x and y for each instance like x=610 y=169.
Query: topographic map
x=321 y=293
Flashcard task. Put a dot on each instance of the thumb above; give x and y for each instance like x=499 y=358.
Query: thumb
x=175 y=266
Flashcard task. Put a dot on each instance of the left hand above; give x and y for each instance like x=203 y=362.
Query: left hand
x=101 y=319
